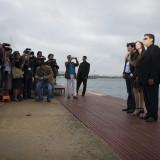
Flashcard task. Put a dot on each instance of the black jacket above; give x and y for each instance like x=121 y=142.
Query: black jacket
x=54 y=66
x=149 y=65
x=83 y=70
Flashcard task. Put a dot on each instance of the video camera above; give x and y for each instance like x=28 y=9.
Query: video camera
x=6 y=46
x=31 y=54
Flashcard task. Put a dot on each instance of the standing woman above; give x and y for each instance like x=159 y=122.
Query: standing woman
x=17 y=67
x=137 y=88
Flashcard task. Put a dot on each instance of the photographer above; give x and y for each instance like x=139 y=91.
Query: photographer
x=53 y=64
x=70 y=76
x=1 y=64
x=28 y=73
x=38 y=60
x=17 y=67
x=7 y=68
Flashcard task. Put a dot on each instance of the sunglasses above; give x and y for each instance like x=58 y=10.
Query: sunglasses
x=145 y=39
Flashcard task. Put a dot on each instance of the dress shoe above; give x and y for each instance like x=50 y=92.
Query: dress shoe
x=48 y=100
x=130 y=111
x=30 y=97
x=151 y=119
x=20 y=98
x=83 y=95
x=125 y=109
x=25 y=98
x=16 y=100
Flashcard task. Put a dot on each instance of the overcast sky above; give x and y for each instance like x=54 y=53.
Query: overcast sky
x=98 y=29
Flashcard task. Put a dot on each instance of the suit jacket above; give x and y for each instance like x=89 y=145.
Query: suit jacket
x=134 y=56
x=83 y=70
x=149 y=65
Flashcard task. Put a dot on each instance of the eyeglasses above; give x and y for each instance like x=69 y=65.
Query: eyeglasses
x=145 y=39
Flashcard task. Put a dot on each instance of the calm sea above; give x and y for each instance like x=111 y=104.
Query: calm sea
x=107 y=86
x=115 y=87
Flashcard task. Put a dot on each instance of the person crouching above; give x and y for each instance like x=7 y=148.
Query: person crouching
x=44 y=77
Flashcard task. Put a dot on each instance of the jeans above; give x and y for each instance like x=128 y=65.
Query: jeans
x=39 y=88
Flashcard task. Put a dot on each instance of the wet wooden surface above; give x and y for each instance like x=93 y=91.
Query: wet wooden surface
x=130 y=137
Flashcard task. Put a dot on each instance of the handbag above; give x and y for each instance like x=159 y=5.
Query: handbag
x=17 y=72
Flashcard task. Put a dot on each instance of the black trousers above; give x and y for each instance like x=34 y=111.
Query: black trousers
x=130 y=98
x=79 y=81
x=151 y=99
x=27 y=86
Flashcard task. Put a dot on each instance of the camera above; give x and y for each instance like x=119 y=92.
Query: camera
x=74 y=57
x=52 y=60
x=43 y=58
x=26 y=56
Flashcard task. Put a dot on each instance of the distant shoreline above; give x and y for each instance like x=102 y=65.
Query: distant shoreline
x=97 y=76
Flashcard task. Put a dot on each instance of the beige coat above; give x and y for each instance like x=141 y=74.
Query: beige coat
x=47 y=71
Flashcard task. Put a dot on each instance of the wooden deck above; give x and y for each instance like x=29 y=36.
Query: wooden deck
x=130 y=137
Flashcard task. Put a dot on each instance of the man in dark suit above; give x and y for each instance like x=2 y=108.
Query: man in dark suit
x=128 y=76
x=82 y=75
x=149 y=77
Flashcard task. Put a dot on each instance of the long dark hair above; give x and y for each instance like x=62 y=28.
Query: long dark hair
x=142 y=45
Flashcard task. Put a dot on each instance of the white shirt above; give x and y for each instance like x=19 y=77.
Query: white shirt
x=8 y=66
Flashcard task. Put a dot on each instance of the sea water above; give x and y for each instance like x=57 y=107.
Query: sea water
x=115 y=87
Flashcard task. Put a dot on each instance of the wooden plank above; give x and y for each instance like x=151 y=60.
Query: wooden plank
x=130 y=137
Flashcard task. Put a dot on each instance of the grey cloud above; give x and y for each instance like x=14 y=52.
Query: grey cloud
x=99 y=29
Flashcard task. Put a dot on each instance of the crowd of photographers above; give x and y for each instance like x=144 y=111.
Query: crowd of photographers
x=20 y=74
